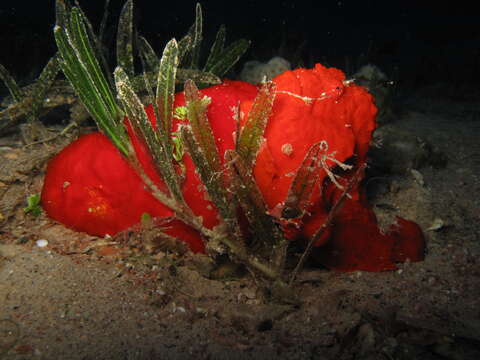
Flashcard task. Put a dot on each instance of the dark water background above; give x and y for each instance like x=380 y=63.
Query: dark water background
x=426 y=43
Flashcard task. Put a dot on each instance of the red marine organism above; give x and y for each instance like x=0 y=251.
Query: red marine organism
x=90 y=187
x=319 y=105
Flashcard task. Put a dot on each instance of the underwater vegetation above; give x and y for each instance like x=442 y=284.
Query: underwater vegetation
x=234 y=168
x=28 y=102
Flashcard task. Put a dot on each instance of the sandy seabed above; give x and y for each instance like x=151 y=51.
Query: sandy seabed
x=81 y=297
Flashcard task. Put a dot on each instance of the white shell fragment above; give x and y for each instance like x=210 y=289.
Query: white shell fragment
x=41 y=243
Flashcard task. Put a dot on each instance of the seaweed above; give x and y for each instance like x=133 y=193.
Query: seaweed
x=30 y=102
x=114 y=101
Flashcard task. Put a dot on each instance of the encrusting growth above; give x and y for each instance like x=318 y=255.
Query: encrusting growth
x=90 y=187
x=232 y=169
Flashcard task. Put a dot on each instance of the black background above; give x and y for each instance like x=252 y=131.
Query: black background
x=426 y=42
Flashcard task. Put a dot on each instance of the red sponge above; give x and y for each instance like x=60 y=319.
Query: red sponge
x=90 y=187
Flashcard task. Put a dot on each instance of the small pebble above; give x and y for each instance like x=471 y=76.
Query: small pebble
x=437 y=224
x=417 y=175
x=41 y=243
